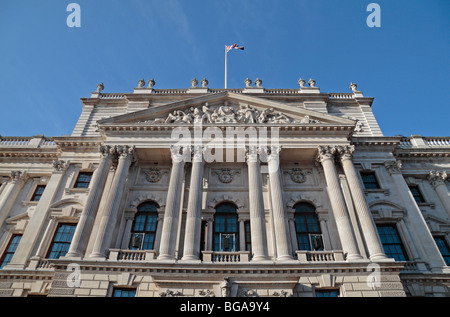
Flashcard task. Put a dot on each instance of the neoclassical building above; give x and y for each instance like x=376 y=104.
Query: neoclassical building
x=203 y=192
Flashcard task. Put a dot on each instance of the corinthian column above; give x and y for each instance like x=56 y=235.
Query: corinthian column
x=369 y=231
x=257 y=218
x=437 y=180
x=279 y=213
x=9 y=194
x=109 y=217
x=172 y=210
x=86 y=221
x=344 y=227
x=193 y=220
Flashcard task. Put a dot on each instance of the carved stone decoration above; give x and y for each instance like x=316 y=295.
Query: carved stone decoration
x=247 y=293
x=297 y=175
x=248 y=82
x=353 y=87
x=59 y=165
x=229 y=114
x=226 y=175
x=312 y=82
x=207 y=293
x=437 y=177
x=153 y=175
x=345 y=152
x=151 y=83
x=204 y=83
x=100 y=87
x=258 y=82
x=283 y=293
x=194 y=82
x=170 y=293
x=301 y=82
x=394 y=167
x=225 y=287
x=141 y=83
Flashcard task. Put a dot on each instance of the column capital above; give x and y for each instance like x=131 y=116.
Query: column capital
x=125 y=151
x=437 y=178
x=60 y=166
x=18 y=176
x=106 y=151
x=393 y=167
x=177 y=152
x=197 y=152
x=345 y=152
x=325 y=152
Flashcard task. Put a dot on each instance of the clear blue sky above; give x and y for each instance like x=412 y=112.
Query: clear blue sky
x=46 y=67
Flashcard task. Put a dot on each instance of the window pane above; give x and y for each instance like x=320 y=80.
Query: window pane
x=83 y=180
x=416 y=193
x=61 y=242
x=440 y=242
x=124 y=292
x=370 y=181
x=144 y=226
x=10 y=250
x=38 y=193
x=306 y=223
x=391 y=242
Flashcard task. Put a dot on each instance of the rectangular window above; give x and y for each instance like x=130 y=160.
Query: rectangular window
x=124 y=292
x=443 y=247
x=38 y=193
x=248 y=242
x=10 y=250
x=83 y=180
x=415 y=191
x=391 y=242
x=61 y=241
x=370 y=180
x=327 y=293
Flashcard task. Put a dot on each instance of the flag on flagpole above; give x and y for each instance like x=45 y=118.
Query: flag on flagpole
x=234 y=46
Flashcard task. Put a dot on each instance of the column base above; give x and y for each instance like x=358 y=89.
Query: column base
x=260 y=258
x=381 y=258
x=285 y=258
x=355 y=258
x=96 y=256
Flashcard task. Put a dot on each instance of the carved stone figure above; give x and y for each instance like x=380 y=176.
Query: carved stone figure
x=353 y=87
x=151 y=83
x=204 y=83
x=248 y=82
x=141 y=83
x=194 y=82
x=258 y=82
x=301 y=82
x=312 y=82
x=100 y=87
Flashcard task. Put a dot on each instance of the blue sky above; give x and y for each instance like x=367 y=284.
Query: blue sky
x=46 y=67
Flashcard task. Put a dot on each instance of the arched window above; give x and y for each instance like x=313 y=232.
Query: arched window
x=226 y=228
x=143 y=231
x=307 y=227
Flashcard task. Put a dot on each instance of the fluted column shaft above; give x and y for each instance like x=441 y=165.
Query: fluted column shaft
x=109 y=217
x=86 y=221
x=279 y=212
x=437 y=180
x=191 y=249
x=344 y=227
x=257 y=216
x=172 y=210
x=376 y=251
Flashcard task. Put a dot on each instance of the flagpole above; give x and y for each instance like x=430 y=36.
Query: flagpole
x=226 y=67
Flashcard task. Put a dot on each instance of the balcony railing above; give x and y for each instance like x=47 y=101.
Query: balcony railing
x=132 y=255
x=226 y=257
x=319 y=256
x=417 y=141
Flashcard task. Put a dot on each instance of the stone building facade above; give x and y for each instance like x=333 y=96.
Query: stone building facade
x=205 y=192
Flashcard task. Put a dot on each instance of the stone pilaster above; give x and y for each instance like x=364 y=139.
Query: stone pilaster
x=343 y=223
x=86 y=221
x=279 y=213
x=12 y=188
x=109 y=216
x=437 y=180
x=376 y=251
x=256 y=205
x=172 y=210
x=419 y=226
x=191 y=249
x=39 y=217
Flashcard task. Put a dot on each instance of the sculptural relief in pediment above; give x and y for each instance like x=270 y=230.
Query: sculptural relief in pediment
x=226 y=113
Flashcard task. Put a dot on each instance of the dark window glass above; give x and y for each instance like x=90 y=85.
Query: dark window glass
x=61 y=241
x=83 y=180
x=369 y=180
x=307 y=227
x=248 y=243
x=143 y=232
x=416 y=193
x=225 y=228
x=10 y=250
x=391 y=242
x=443 y=247
x=327 y=293
x=38 y=193
x=124 y=292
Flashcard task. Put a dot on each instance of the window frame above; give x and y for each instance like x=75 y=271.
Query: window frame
x=147 y=234
x=446 y=256
x=418 y=195
x=307 y=216
x=365 y=182
x=226 y=215
x=7 y=252
x=124 y=289
x=36 y=193
x=400 y=243
x=64 y=243
x=326 y=291
x=78 y=182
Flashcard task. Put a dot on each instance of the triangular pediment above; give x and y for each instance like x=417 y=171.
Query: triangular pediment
x=225 y=108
